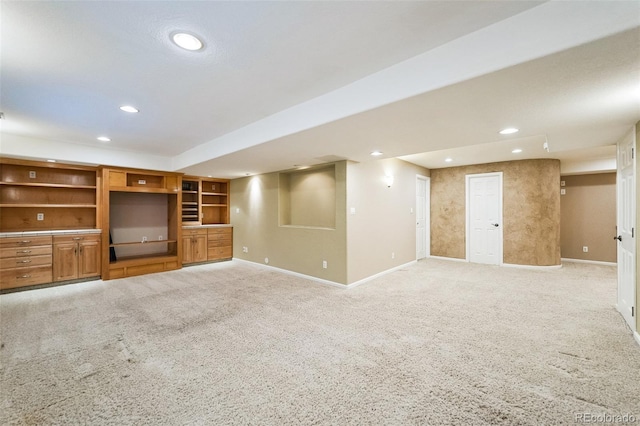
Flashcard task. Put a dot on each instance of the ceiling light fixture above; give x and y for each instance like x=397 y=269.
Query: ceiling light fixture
x=376 y=153
x=187 y=41
x=516 y=151
x=509 y=130
x=129 y=108
x=448 y=160
x=104 y=139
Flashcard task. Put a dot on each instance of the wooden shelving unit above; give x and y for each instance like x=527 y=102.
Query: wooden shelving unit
x=214 y=201
x=191 y=200
x=141 y=185
x=47 y=196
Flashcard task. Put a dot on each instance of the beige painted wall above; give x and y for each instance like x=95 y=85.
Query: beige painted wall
x=384 y=221
x=531 y=211
x=294 y=248
x=588 y=217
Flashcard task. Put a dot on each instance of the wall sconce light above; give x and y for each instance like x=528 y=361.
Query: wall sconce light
x=388 y=179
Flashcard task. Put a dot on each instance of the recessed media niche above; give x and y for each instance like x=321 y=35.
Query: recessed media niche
x=308 y=197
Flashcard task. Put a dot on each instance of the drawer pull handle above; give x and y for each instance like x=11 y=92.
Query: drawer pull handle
x=25 y=241
x=24 y=251
x=24 y=276
x=78 y=238
x=24 y=261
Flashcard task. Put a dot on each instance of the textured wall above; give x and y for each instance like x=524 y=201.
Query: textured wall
x=531 y=211
x=589 y=217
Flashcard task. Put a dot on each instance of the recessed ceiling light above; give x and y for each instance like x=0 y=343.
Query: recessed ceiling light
x=377 y=153
x=448 y=160
x=104 y=139
x=509 y=130
x=187 y=41
x=129 y=108
x=517 y=151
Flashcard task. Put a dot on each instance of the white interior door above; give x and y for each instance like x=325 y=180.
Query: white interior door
x=422 y=217
x=626 y=228
x=484 y=218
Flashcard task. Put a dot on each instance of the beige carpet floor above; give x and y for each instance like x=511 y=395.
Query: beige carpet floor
x=437 y=342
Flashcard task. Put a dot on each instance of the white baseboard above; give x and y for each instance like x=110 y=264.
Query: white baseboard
x=636 y=336
x=534 y=267
x=594 y=262
x=323 y=281
x=295 y=274
x=453 y=259
x=379 y=274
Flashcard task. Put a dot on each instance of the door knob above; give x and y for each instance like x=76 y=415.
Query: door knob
x=619 y=238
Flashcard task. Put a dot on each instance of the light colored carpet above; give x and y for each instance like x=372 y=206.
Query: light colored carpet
x=437 y=342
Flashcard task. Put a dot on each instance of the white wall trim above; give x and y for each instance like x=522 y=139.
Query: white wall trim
x=534 y=267
x=323 y=281
x=594 y=262
x=453 y=259
x=636 y=336
x=379 y=274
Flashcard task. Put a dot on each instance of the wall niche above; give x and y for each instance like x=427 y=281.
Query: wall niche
x=307 y=198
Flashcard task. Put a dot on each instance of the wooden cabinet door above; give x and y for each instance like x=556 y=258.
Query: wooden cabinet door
x=89 y=259
x=65 y=261
x=199 y=248
x=187 y=250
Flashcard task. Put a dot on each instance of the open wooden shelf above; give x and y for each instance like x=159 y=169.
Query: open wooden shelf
x=133 y=243
x=65 y=195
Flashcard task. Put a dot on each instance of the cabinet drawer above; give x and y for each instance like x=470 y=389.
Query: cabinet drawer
x=24 y=241
x=24 y=251
x=219 y=232
x=188 y=232
x=218 y=242
x=219 y=253
x=20 y=262
x=20 y=277
x=75 y=238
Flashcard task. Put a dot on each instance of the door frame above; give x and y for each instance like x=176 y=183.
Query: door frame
x=467 y=180
x=427 y=236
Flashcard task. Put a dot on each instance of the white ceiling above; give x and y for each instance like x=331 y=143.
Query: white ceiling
x=284 y=83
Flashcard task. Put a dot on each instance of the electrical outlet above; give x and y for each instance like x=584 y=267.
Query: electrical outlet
x=142 y=182
x=40 y=216
x=144 y=239
x=324 y=264
x=266 y=260
x=585 y=249
x=32 y=175
x=563 y=191
x=237 y=210
x=160 y=238
x=393 y=255
x=245 y=249
x=352 y=210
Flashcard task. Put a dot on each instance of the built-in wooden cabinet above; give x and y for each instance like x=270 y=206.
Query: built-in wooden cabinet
x=137 y=203
x=194 y=245
x=219 y=243
x=137 y=216
x=47 y=196
x=76 y=256
x=25 y=261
